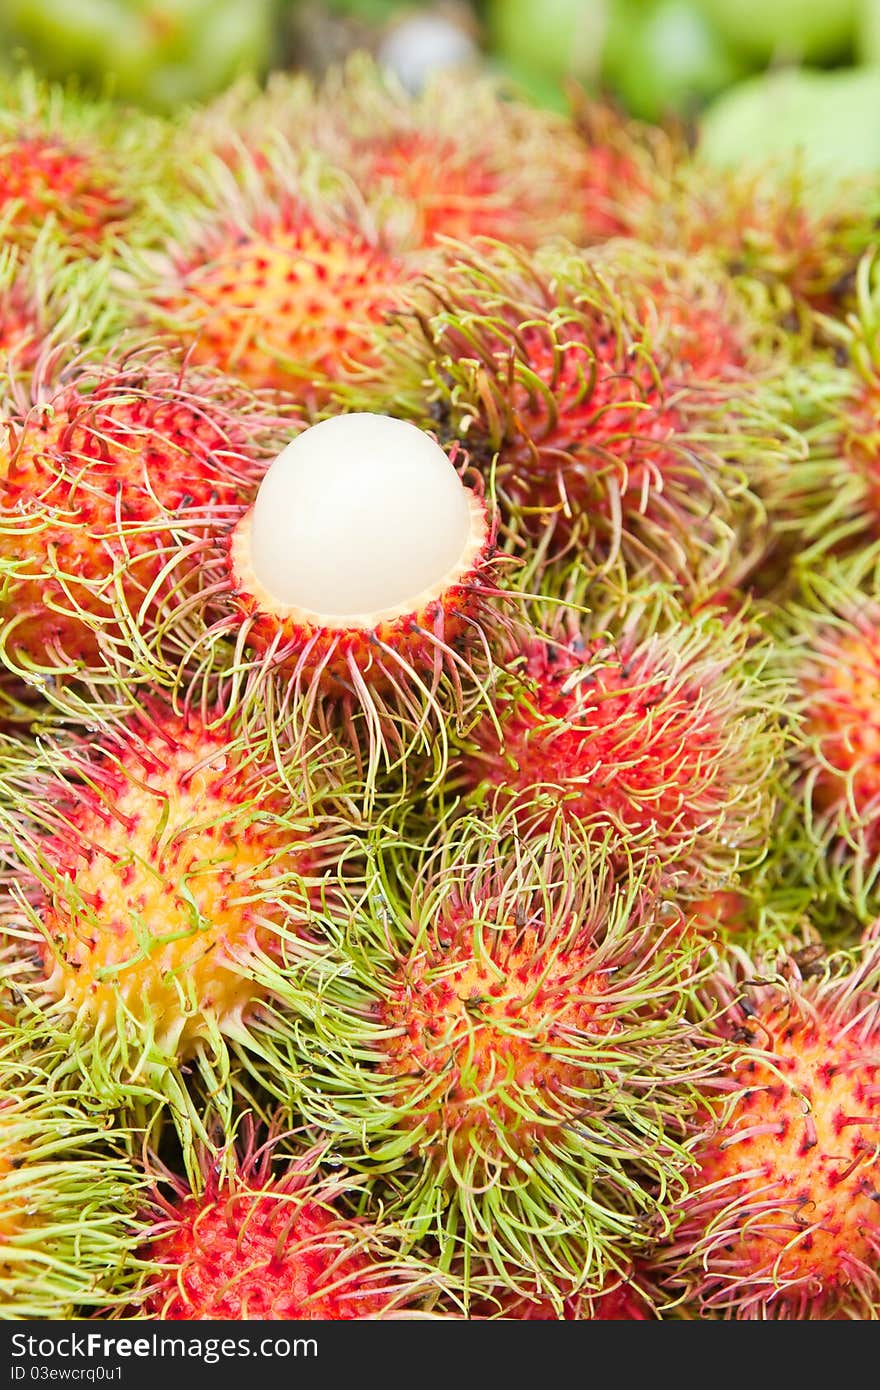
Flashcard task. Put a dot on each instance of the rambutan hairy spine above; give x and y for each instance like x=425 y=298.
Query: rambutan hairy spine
x=68 y=1195
x=781 y=1217
x=272 y=1235
x=156 y=897
x=503 y=1043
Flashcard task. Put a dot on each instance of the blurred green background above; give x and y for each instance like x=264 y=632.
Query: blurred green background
x=778 y=72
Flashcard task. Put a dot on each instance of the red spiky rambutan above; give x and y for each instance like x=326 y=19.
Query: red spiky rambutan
x=781 y=1218
x=664 y=732
x=159 y=880
x=254 y=1243
x=41 y=177
x=70 y=169
x=609 y=416
x=51 y=309
x=829 y=644
x=461 y=159
x=109 y=484
x=269 y=282
x=509 y=1047
x=763 y=226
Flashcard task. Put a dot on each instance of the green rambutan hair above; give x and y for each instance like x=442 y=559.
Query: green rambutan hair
x=659 y=730
x=68 y=1196
x=157 y=892
x=52 y=310
x=828 y=640
x=780 y=1220
x=828 y=501
x=609 y=422
x=499 y=1041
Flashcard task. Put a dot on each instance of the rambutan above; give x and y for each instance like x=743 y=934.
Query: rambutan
x=658 y=729
x=508 y=1051
x=830 y=644
x=781 y=1217
x=253 y=1243
x=109 y=484
x=363 y=580
x=610 y=417
x=461 y=159
x=765 y=226
x=67 y=1198
x=71 y=166
x=269 y=280
x=829 y=499
x=159 y=881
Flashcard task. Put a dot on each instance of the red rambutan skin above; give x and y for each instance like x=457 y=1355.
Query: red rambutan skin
x=252 y=1246
x=782 y=1217
x=478 y=1021
x=251 y=1255
x=92 y=482
x=168 y=855
x=42 y=177
x=586 y=723
x=450 y=193
x=284 y=304
x=841 y=694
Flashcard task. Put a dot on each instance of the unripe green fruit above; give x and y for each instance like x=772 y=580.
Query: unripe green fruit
x=155 y=52
x=800 y=30
x=665 y=57
x=825 y=121
x=551 y=38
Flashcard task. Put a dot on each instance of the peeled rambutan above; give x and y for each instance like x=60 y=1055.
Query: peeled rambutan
x=508 y=1049
x=256 y=1243
x=781 y=1217
x=109 y=483
x=67 y=1197
x=659 y=730
x=269 y=281
x=159 y=881
x=363 y=580
x=611 y=417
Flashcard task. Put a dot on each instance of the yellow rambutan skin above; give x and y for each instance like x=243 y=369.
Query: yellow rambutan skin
x=486 y=1022
x=284 y=306
x=801 y=1150
x=160 y=902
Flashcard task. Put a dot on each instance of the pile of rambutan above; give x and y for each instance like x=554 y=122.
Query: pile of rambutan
x=439 y=716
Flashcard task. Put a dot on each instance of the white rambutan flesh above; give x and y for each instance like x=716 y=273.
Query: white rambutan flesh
x=359 y=515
